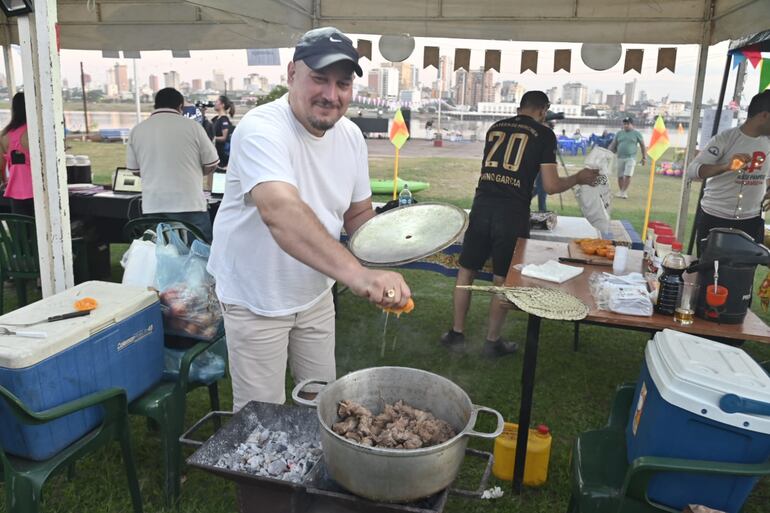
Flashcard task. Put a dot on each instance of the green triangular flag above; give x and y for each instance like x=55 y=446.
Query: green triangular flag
x=764 y=77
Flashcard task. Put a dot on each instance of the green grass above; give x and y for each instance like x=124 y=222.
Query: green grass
x=572 y=394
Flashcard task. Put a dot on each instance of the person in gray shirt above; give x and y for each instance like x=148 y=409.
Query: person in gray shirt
x=735 y=167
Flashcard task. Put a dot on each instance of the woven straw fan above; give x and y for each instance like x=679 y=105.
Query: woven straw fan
x=546 y=303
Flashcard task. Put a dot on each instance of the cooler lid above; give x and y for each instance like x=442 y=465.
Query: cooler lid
x=694 y=373
x=116 y=303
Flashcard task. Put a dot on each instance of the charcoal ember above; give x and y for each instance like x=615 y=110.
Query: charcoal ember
x=398 y=426
x=272 y=454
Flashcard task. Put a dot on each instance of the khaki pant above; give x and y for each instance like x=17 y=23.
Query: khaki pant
x=258 y=348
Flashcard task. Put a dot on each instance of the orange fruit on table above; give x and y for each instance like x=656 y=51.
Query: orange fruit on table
x=85 y=304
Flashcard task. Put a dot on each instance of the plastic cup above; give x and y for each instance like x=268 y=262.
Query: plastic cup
x=716 y=296
x=685 y=306
x=620 y=261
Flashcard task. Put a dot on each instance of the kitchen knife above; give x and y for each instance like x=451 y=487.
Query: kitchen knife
x=584 y=261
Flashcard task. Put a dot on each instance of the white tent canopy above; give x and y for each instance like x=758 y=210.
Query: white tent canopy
x=220 y=24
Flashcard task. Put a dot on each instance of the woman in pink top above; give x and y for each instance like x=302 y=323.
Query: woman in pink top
x=14 y=152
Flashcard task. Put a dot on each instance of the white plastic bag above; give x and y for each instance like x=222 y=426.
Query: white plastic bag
x=139 y=264
x=595 y=201
x=188 y=299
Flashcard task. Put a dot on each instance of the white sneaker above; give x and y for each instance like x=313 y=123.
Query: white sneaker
x=618 y=194
x=625 y=195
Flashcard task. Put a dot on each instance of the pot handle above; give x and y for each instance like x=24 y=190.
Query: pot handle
x=472 y=422
x=300 y=386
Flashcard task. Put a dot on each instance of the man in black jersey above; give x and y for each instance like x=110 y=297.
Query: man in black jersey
x=516 y=150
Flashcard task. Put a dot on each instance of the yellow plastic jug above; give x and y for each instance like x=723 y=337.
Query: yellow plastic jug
x=538 y=454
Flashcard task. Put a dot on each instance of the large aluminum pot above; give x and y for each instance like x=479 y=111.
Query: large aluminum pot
x=396 y=475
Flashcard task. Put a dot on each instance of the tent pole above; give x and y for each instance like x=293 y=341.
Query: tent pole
x=45 y=122
x=10 y=72
x=136 y=96
x=692 y=137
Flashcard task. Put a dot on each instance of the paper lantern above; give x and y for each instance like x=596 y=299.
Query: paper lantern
x=396 y=48
x=600 y=57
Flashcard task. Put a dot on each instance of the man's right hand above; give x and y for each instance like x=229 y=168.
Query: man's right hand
x=376 y=286
x=587 y=176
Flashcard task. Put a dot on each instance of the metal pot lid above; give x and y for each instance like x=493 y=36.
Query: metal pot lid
x=409 y=233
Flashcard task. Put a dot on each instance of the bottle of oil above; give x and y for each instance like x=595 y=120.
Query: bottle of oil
x=538 y=454
x=670 y=282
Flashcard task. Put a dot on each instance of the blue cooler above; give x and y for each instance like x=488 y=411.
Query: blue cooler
x=120 y=344
x=677 y=414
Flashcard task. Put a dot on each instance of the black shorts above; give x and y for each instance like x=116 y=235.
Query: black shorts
x=493 y=231
x=753 y=227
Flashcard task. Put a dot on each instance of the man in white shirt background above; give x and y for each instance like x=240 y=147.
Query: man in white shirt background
x=298 y=173
x=172 y=154
x=735 y=166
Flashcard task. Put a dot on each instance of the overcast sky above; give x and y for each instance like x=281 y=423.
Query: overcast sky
x=678 y=85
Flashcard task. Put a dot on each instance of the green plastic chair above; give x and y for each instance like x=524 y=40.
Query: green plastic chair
x=165 y=407
x=603 y=481
x=19 y=256
x=135 y=228
x=24 y=479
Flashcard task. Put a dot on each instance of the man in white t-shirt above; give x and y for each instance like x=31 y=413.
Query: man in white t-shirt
x=172 y=154
x=736 y=169
x=298 y=173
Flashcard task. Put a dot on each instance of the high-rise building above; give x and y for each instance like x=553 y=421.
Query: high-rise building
x=553 y=95
x=120 y=78
x=171 y=79
x=407 y=73
x=574 y=93
x=597 y=98
x=208 y=85
x=511 y=91
x=490 y=90
x=154 y=83
x=384 y=82
x=445 y=73
x=643 y=96
x=461 y=87
x=197 y=84
x=219 y=80
x=630 y=96
x=231 y=84
x=614 y=100
x=472 y=87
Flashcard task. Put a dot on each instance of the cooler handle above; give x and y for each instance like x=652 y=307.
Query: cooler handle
x=731 y=403
x=313 y=403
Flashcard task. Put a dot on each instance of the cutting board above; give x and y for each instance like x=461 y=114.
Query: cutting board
x=575 y=251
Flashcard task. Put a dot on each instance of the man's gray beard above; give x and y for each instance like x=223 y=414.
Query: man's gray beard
x=321 y=125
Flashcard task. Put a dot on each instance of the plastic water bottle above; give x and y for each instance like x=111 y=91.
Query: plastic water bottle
x=405 y=196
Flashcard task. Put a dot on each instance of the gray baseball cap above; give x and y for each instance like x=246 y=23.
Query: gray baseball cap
x=323 y=46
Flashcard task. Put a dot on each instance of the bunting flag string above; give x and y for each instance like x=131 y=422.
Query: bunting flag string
x=430 y=57
x=738 y=58
x=492 y=60
x=764 y=75
x=666 y=59
x=562 y=60
x=753 y=54
x=529 y=61
x=462 y=59
x=634 y=60
x=364 y=48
